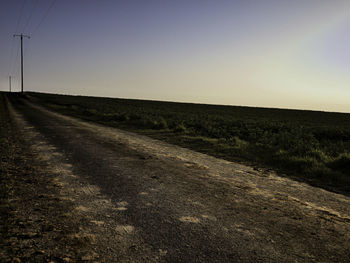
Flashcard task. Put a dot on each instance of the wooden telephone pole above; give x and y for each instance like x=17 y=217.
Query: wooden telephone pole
x=10 y=82
x=21 y=36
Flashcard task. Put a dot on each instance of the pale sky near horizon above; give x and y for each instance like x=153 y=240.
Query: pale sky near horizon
x=264 y=53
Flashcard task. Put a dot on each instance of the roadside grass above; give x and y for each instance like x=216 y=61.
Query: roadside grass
x=310 y=146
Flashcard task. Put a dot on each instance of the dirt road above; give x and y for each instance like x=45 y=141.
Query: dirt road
x=129 y=198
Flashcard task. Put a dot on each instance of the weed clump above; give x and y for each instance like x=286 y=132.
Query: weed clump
x=180 y=128
x=341 y=163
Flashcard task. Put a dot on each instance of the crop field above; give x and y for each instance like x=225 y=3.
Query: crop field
x=309 y=146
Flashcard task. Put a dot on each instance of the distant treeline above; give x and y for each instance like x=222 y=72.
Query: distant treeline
x=309 y=145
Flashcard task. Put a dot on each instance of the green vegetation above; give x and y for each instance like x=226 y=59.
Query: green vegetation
x=308 y=145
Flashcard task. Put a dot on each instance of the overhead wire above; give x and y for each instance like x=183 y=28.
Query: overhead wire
x=20 y=15
x=30 y=15
x=11 y=55
x=13 y=40
x=26 y=24
x=44 y=17
x=27 y=47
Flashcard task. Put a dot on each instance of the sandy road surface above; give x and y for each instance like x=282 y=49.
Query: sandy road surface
x=142 y=200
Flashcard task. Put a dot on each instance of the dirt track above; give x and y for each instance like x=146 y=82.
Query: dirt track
x=134 y=199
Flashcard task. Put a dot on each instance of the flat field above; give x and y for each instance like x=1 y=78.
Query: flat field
x=73 y=190
x=309 y=146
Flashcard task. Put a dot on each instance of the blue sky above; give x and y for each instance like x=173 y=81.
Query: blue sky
x=269 y=53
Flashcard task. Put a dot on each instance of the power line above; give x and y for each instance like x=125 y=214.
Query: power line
x=12 y=42
x=20 y=15
x=44 y=17
x=13 y=65
x=30 y=15
x=40 y=23
x=28 y=21
x=11 y=56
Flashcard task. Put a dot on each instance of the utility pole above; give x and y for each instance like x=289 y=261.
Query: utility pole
x=10 y=82
x=21 y=36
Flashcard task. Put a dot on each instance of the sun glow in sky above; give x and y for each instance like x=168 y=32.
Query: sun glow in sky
x=268 y=53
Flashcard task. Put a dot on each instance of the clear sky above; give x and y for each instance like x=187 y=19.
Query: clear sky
x=268 y=53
